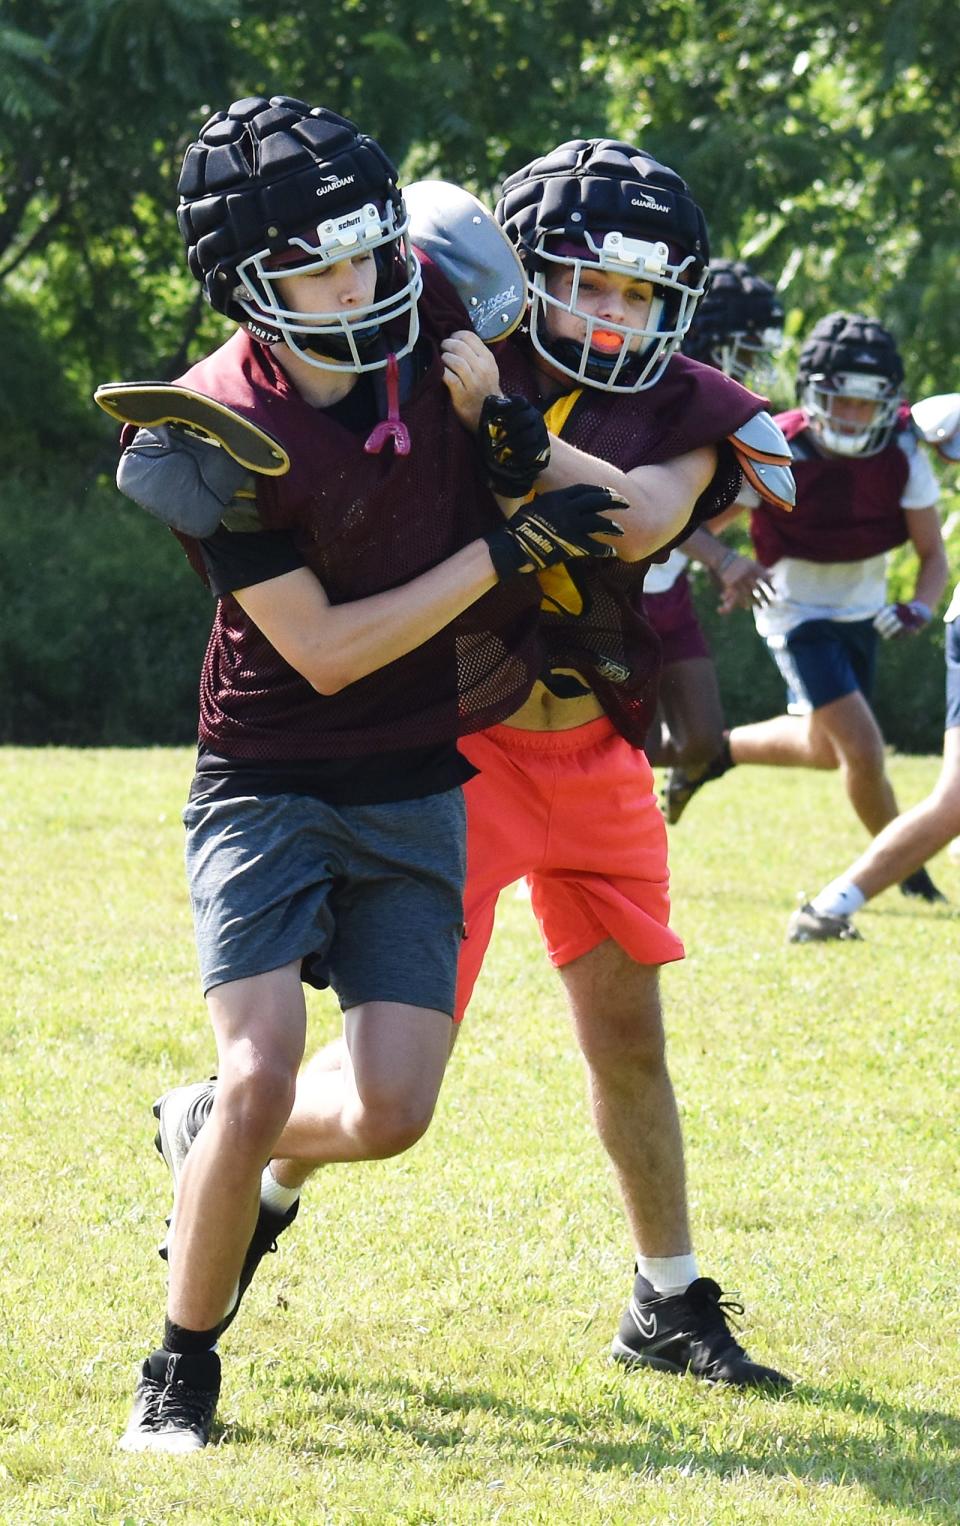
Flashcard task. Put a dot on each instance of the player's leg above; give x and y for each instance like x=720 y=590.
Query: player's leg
x=259 y=1025
x=602 y=902
x=615 y=1010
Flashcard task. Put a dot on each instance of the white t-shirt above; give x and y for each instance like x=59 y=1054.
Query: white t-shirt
x=661 y=576
x=804 y=590
x=953 y=608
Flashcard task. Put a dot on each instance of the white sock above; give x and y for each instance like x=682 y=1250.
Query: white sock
x=840 y=898
x=669 y=1274
x=273 y=1196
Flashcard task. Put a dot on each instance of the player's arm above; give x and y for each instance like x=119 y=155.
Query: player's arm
x=742 y=581
x=932 y=571
x=333 y=645
x=660 y=499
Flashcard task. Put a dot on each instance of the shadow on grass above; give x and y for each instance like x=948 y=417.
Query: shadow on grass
x=914 y=1465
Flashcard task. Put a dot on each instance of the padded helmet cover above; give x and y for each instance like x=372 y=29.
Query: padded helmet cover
x=736 y=303
x=631 y=216
x=848 y=355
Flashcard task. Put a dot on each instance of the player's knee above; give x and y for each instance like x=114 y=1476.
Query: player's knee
x=256 y=1097
x=629 y=1045
x=393 y=1122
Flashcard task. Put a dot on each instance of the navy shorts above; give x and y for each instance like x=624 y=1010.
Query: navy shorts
x=369 y=897
x=952 y=654
x=822 y=660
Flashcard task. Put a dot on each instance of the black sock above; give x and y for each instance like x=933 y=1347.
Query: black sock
x=188 y=1342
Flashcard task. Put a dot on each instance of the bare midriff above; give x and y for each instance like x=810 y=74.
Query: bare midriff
x=543 y=711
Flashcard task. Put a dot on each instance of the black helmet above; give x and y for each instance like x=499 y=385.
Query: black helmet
x=738 y=326
x=278 y=188
x=850 y=356
x=597 y=202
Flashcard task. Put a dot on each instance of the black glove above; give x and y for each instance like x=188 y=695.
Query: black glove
x=514 y=444
x=556 y=527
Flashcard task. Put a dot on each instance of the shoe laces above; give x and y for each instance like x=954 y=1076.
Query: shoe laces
x=714 y=1310
x=176 y=1404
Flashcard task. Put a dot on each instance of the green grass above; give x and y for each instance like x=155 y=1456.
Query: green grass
x=430 y=1344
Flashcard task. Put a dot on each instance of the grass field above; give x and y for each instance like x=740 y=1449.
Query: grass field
x=430 y=1344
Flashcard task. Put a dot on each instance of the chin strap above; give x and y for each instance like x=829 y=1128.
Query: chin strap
x=392 y=427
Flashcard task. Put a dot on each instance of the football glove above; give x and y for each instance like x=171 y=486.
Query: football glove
x=514 y=444
x=556 y=527
x=902 y=619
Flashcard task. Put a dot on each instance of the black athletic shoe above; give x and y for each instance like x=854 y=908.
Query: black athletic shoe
x=174 y=1403
x=689 y=1333
x=269 y=1226
x=920 y=886
x=679 y=788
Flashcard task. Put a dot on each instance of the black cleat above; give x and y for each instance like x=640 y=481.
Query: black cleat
x=679 y=787
x=809 y=926
x=920 y=886
x=174 y=1403
x=269 y=1225
x=688 y=1332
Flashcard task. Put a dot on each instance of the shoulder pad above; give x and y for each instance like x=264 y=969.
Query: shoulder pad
x=763 y=456
x=938 y=422
x=147 y=404
x=471 y=249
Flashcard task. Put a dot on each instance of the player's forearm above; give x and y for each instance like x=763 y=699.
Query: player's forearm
x=349 y=641
x=931 y=578
x=707 y=549
x=650 y=519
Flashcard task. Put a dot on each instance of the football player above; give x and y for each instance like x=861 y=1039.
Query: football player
x=907 y=842
x=864 y=486
x=373 y=604
x=615 y=252
x=738 y=328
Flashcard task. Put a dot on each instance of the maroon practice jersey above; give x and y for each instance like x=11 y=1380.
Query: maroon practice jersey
x=847 y=509
x=609 y=641
x=364 y=524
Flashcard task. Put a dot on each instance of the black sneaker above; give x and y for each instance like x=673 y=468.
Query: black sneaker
x=269 y=1225
x=679 y=787
x=689 y=1332
x=809 y=926
x=174 y=1403
x=920 y=886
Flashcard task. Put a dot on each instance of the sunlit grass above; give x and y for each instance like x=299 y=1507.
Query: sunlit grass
x=430 y=1344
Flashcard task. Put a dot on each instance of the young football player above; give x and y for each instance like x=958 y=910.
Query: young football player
x=615 y=250
x=372 y=606
x=738 y=328
x=864 y=486
x=907 y=842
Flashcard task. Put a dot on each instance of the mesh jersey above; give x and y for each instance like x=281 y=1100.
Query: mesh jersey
x=847 y=508
x=606 y=638
x=365 y=524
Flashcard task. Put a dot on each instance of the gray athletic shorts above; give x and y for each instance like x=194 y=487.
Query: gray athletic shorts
x=369 y=896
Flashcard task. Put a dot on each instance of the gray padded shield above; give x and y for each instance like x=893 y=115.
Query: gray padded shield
x=762 y=439
x=186 y=483
x=938 y=420
x=472 y=251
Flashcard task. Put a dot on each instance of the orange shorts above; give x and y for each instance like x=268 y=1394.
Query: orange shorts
x=574 y=812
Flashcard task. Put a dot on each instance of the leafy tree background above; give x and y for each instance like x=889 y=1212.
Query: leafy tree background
x=822 y=142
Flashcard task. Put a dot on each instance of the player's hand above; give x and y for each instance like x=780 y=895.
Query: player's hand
x=743 y=583
x=896 y=620
x=556 y=527
x=470 y=374
x=514 y=444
